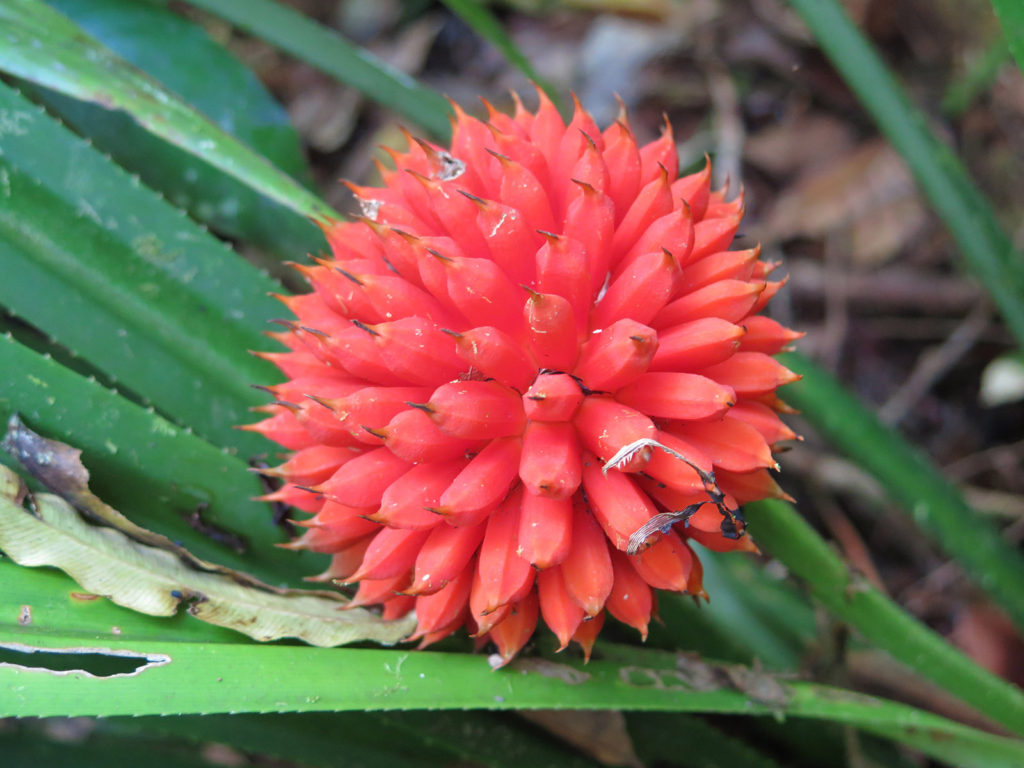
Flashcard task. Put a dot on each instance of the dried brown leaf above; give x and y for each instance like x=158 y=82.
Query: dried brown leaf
x=59 y=467
x=152 y=580
x=867 y=194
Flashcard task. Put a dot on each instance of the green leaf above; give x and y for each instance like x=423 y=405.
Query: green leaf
x=666 y=739
x=329 y=52
x=155 y=472
x=753 y=617
x=280 y=678
x=180 y=55
x=370 y=739
x=788 y=537
x=51 y=601
x=157 y=582
x=483 y=22
x=128 y=282
x=987 y=250
x=201 y=678
x=22 y=747
x=46 y=48
x=1011 y=16
x=933 y=503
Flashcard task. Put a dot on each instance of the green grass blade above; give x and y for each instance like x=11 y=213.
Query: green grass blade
x=149 y=469
x=480 y=19
x=935 y=505
x=329 y=52
x=785 y=535
x=197 y=678
x=127 y=282
x=184 y=59
x=46 y=48
x=1011 y=17
x=987 y=250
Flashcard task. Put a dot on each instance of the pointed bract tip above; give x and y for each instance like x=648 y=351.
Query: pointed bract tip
x=588 y=189
x=446 y=260
x=478 y=201
x=427 y=408
x=623 y=116
x=505 y=160
x=408 y=237
x=315 y=332
x=328 y=404
x=427 y=182
x=364 y=327
x=349 y=275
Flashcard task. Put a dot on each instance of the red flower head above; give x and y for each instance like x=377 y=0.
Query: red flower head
x=529 y=350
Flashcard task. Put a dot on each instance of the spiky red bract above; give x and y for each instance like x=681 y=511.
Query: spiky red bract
x=524 y=349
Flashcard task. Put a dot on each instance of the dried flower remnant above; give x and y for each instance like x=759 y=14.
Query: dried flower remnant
x=530 y=345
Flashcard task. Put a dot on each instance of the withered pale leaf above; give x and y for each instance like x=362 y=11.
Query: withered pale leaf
x=151 y=580
x=59 y=467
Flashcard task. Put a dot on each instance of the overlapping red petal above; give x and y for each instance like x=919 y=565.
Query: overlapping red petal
x=528 y=346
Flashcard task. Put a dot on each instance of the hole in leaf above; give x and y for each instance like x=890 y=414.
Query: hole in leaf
x=95 y=662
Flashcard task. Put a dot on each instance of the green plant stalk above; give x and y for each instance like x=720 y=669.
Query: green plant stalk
x=933 y=503
x=986 y=248
x=785 y=535
x=333 y=54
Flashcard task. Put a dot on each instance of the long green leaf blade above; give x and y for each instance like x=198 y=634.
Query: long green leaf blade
x=787 y=536
x=1011 y=16
x=987 y=250
x=935 y=505
x=187 y=61
x=331 y=53
x=55 y=613
x=45 y=47
x=127 y=281
x=181 y=678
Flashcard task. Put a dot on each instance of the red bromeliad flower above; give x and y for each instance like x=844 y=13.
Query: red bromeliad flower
x=528 y=351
